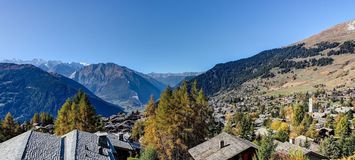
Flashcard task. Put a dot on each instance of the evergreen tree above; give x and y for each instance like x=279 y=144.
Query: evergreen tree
x=282 y=136
x=266 y=148
x=245 y=127
x=330 y=148
x=149 y=153
x=329 y=122
x=347 y=145
x=298 y=114
x=307 y=120
x=312 y=132
x=228 y=126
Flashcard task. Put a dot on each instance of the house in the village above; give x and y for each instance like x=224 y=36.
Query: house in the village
x=75 y=145
x=224 y=147
x=303 y=140
x=286 y=148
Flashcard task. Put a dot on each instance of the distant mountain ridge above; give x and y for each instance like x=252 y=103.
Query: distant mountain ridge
x=63 y=68
x=119 y=85
x=173 y=79
x=26 y=89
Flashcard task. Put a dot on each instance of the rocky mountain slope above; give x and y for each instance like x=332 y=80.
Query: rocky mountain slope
x=26 y=89
x=323 y=61
x=173 y=79
x=119 y=85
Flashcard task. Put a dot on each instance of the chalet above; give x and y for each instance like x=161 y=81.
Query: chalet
x=224 y=147
x=75 y=145
x=286 y=148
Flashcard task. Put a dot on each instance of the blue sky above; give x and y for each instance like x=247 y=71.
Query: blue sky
x=160 y=35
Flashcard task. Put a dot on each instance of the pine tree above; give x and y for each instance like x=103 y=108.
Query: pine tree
x=330 y=148
x=267 y=148
x=329 y=122
x=347 y=145
x=245 y=127
x=312 y=132
x=298 y=114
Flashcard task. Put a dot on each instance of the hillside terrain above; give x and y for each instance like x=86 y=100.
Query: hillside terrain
x=26 y=89
x=118 y=85
x=323 y=61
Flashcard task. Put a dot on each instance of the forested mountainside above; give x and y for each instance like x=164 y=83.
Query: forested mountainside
x=173 y=79
x=281 y=65
x=26 y=89
x=118 y=85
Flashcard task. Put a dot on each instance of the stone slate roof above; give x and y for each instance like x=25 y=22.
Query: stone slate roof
x=75 y=145
x=210 y=149
x=286 y=147
x=114 y=139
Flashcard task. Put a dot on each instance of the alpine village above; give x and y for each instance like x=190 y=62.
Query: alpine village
x=296 y=102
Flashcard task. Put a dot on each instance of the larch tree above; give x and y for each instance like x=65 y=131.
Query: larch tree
x=35 y=118
x=343 y=127
x=87 y=115
x=76 y=114
x=179 y=121
x=9 y=126
x=62 y=122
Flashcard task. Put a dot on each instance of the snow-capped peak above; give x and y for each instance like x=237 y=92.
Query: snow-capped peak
x=351 y=25
x=84 y=64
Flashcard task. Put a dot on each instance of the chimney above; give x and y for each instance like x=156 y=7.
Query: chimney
x=120 y=136
x=221 y=144
x=292 y=141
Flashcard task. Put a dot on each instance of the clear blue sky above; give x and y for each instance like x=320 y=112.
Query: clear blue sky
x=160 y=35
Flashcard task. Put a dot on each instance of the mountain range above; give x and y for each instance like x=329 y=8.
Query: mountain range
x=173 y=79
x=323 y=61
x=65 y=69
x=26 y=89
x=119 y=85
